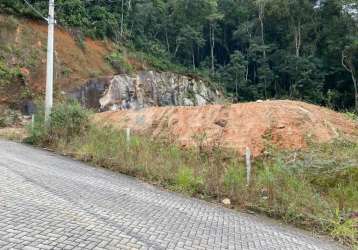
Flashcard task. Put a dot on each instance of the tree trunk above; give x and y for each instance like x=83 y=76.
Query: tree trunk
x=298 y=39
x=350 y=68
x=129 y=4
x=129 y=8
x=247 y=73
x=167 y=40
x=177 y=45
x=236 y=86
x=122 y=18
x=355 y=91
x=212 y=47
x=265 y=88
x=261 y=18
x=193 y=57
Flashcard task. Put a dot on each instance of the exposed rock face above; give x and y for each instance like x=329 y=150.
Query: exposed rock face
x=90 y=93
x=146 y=89
x=149 y=88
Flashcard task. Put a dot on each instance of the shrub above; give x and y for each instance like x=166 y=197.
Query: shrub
x=67 y=121
x=7 y=74
x=345 y=231
x=119 y=63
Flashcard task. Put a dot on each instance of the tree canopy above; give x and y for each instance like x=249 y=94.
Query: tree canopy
x=256 y=49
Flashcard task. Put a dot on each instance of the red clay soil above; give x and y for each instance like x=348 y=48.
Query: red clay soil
x=74 y=64
x=82 y=63
x=287 y=124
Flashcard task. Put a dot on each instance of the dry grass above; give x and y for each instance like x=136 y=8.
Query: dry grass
x=14 y=134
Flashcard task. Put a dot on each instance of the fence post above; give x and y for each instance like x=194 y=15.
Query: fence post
x=32 y=122
x=128 y=135
x=248 y=165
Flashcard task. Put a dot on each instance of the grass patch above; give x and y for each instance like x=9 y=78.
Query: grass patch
x=13 y=134
x=120 y=63
x=315 y=188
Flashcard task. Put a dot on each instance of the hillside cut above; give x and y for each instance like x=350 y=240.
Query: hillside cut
x=145 y=89
x=286 y=124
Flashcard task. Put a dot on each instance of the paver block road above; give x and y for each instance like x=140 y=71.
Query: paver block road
x=51 y=202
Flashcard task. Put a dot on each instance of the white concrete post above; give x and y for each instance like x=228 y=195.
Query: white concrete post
x=32 y=122
x=248 y=165
x=49 y=71
x=128 y=135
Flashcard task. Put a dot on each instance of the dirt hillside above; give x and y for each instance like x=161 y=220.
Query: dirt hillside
x=75 y=62
x=287 y=124
x=23 y=48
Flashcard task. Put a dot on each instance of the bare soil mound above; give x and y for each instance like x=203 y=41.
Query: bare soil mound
x=286 y=124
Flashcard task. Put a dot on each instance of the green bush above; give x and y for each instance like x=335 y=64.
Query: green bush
x=7 y=74
x=119 y=63
x=67 y=121
x=345 y=231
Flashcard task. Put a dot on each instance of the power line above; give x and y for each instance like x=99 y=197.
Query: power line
x=35 y=10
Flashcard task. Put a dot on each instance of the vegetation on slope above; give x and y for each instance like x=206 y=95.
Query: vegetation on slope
x=257 y=49
x=315 y=188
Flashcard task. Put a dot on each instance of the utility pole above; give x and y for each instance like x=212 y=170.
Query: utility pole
x=49 y=72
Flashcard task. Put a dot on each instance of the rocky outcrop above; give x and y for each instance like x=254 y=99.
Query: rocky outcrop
x=89 y=94
x=146 y=89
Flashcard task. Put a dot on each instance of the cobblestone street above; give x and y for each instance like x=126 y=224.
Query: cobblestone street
x=52 y=202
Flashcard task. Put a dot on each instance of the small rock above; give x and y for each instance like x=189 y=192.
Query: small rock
x=221 y=123
x=264 y=193
x=259 y=101
x=24 y=71
x=226 y=202
x=354 y=215
x=281 y=126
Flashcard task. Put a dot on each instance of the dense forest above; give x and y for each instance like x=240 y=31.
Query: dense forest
x=255 y=49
